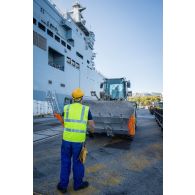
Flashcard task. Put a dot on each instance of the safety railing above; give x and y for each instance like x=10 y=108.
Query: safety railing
x=158 y=113
x=41 y=108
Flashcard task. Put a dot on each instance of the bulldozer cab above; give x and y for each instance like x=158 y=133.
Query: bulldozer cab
x=115 y=89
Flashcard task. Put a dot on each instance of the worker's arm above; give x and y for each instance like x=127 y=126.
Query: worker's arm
x=91 y=125
x=59 y=117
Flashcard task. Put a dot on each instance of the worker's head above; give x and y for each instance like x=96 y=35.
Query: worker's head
x=77 y=95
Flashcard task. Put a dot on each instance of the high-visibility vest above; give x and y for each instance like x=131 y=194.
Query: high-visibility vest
x=75 y=122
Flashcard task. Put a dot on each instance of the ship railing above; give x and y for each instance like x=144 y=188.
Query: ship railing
x=58 y=66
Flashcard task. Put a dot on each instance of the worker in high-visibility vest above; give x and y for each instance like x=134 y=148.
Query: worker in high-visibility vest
x=76 y=119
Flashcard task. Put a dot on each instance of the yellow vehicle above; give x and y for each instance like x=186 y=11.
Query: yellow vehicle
x=112 y=112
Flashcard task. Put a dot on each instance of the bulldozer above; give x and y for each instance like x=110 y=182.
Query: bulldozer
x=112 y=112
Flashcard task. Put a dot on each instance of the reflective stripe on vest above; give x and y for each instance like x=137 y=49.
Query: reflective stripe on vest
x=75 y=122
x=72 y=120
x=74 y=130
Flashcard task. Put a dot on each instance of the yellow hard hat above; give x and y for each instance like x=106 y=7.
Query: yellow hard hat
x=77 y=93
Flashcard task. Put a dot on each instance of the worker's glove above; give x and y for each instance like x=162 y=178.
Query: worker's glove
x=91 y=135
x=83 y=154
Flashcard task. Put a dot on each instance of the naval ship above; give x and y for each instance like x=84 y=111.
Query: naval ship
x=63 y=54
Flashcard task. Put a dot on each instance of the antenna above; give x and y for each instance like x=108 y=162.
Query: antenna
x=76 y=2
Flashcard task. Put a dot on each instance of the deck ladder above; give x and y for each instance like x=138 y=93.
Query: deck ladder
x=52 y=100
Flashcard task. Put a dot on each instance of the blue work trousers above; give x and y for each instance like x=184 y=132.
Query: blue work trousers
x=69 y=150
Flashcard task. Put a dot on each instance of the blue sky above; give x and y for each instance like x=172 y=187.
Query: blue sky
x=129 y=39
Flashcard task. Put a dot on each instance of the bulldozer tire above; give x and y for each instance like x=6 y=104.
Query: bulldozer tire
x=126 y=137
x=131 y=138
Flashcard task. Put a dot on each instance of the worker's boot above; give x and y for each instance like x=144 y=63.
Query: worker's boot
x=85 y=184
x=59 y=187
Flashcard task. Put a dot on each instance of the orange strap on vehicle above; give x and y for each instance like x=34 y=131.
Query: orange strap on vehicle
x=59 y=117
x=131 y=125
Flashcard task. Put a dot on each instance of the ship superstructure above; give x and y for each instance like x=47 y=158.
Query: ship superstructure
x=63 y=53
